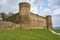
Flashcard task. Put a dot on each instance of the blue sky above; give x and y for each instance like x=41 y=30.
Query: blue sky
x=40 y=7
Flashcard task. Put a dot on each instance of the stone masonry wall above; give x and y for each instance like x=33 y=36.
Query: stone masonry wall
x=38 y=21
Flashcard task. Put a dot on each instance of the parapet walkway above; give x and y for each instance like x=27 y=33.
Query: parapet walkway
x=54 y=32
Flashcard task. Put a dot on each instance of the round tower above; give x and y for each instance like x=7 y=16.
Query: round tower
x=49 y=22
x=24 y=8
x=24 y=13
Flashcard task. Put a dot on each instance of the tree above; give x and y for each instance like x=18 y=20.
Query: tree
x=4 y=16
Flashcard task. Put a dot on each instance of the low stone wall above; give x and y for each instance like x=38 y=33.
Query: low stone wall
x=12 y=26
x=8 y=25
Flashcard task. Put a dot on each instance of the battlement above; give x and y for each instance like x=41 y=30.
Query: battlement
x=24 y=4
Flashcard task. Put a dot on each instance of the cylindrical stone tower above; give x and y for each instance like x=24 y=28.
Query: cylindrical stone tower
x=24 y=8
x=24 y=13
x=49 y=22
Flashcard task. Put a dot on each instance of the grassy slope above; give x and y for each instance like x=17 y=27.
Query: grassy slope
x=58 y=31
x=32 y=34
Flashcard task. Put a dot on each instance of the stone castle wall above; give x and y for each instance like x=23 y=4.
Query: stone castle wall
x=38 y=21
x=28 y=20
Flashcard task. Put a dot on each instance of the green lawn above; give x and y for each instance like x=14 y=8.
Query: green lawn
x=31 y=34
x=58 y=31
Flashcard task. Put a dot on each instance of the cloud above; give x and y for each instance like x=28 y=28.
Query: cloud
x=46 y=12
x=56 y=11
x=55 y=6
x=34 y=10
x=12 y=5
x=56 y=23
x=35 y=6
x=8 y=6
x=56 y=17
x=3 y=2
x=54 y=3
x=56 y=20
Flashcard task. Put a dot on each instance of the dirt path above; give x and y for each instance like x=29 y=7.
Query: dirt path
x=54 y=32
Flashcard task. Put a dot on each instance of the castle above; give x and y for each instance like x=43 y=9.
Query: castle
x=27 y=19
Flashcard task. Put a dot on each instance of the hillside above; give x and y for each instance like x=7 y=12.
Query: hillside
x=31 y=34
x=57 y=28
x=58 y=31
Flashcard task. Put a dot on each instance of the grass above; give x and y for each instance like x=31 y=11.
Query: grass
x=31 y=34
x=58 y=31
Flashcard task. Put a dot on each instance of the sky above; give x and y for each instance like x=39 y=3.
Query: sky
x=40 y=7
